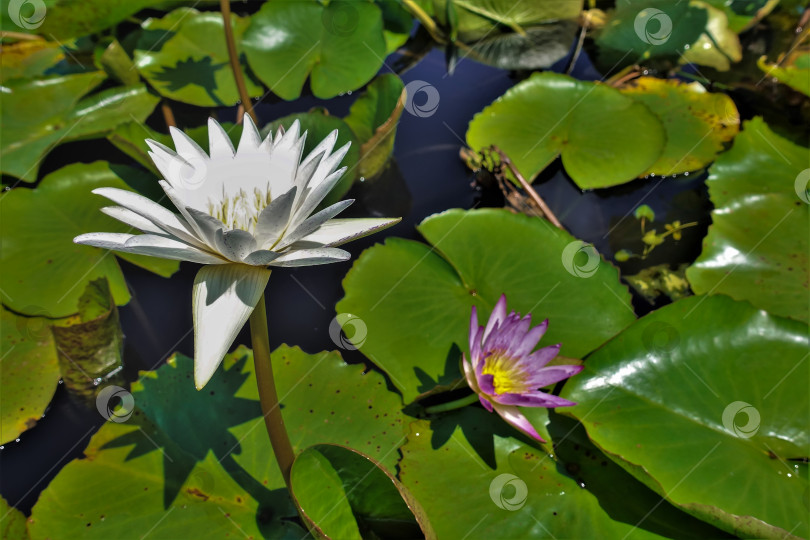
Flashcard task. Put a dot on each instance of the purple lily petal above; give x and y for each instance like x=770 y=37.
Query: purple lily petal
x=541 y=357
x=485 y=402
x=553 y=374
x=469 y=374
x=473 y=327
x=530 y=340
x=475 y=350
x=487 y=384
x=498 y=315
x=532 y=399
x=515 y=418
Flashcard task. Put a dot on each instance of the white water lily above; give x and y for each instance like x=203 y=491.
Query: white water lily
x=240 y=212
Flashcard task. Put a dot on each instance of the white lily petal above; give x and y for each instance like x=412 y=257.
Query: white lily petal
x=250 y=140
x=178 y=203
x=274 y=218
x=312 y=223
x=339 y=231
x=327 y=166
x=235 y=244
x=324 y=147
x=219 y=144
x=311 y=257
x=313 y=197
x=160 y=216
x=289 y=137
x=222 y=300
x=261 y=257
x=128 y=217
x=186 y=147
x=208 y=225
x=148 y=244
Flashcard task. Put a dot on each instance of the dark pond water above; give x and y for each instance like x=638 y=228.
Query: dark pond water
x=431 y=178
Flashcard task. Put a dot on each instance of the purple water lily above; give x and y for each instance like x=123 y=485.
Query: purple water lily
x=505 y=373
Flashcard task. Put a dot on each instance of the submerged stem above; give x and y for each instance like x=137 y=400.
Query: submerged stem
x=451 y=405
x=268 y=397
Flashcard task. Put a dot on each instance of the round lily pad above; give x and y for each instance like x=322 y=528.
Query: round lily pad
x=604 y=138
x=707 y=391
x=44 y=272
x=415 y=300
x=757 y=246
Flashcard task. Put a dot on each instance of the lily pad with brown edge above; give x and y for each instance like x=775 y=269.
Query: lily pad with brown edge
x=732 y=413
x=373 y=118
x=215 y=477
x=415 y=299
x=29 y=372
x=28 y=59
x=43 y=270
x=39 y=114
x=603 y=137
x=344 y=494
x=698 y=123
x=757 y=247
x=184 y=57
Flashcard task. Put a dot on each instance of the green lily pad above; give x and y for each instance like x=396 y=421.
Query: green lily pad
x=344 y=494
x=318 y=124
x=794 y=73
x=184 y=57
x=44 y=272
x=538 y=47
x=742 y=14
x=115 y=61
x=415 y=300
x=29 y=372
x=38 y=115
x=757 y=246
x=718 y=46
x=12 y=522
x=28 y=59
x=707 y=391
x=698 y=123
x=465 y=465
x=604 y=138
x=340 y=46
x=373 y=118
x=212 y=479
x=397 y=23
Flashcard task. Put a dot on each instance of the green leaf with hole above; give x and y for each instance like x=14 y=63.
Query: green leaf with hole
x=214 y=478
x=29 y=372
x=698 y=123
x=707 y=391
x=604 y=138
x=344 y=494
x=757 y=246
x=414 y=300
x=44 y=272
x=38 y=115
x=340 y=46
x=318 y=124
x=373 y=118
x=184 y=57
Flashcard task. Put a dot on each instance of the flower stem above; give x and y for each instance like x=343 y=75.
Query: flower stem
x=452 y=405
x=225 y=8
x=268 y=397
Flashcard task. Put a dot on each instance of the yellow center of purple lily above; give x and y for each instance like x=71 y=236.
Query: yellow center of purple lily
x=507 y=378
